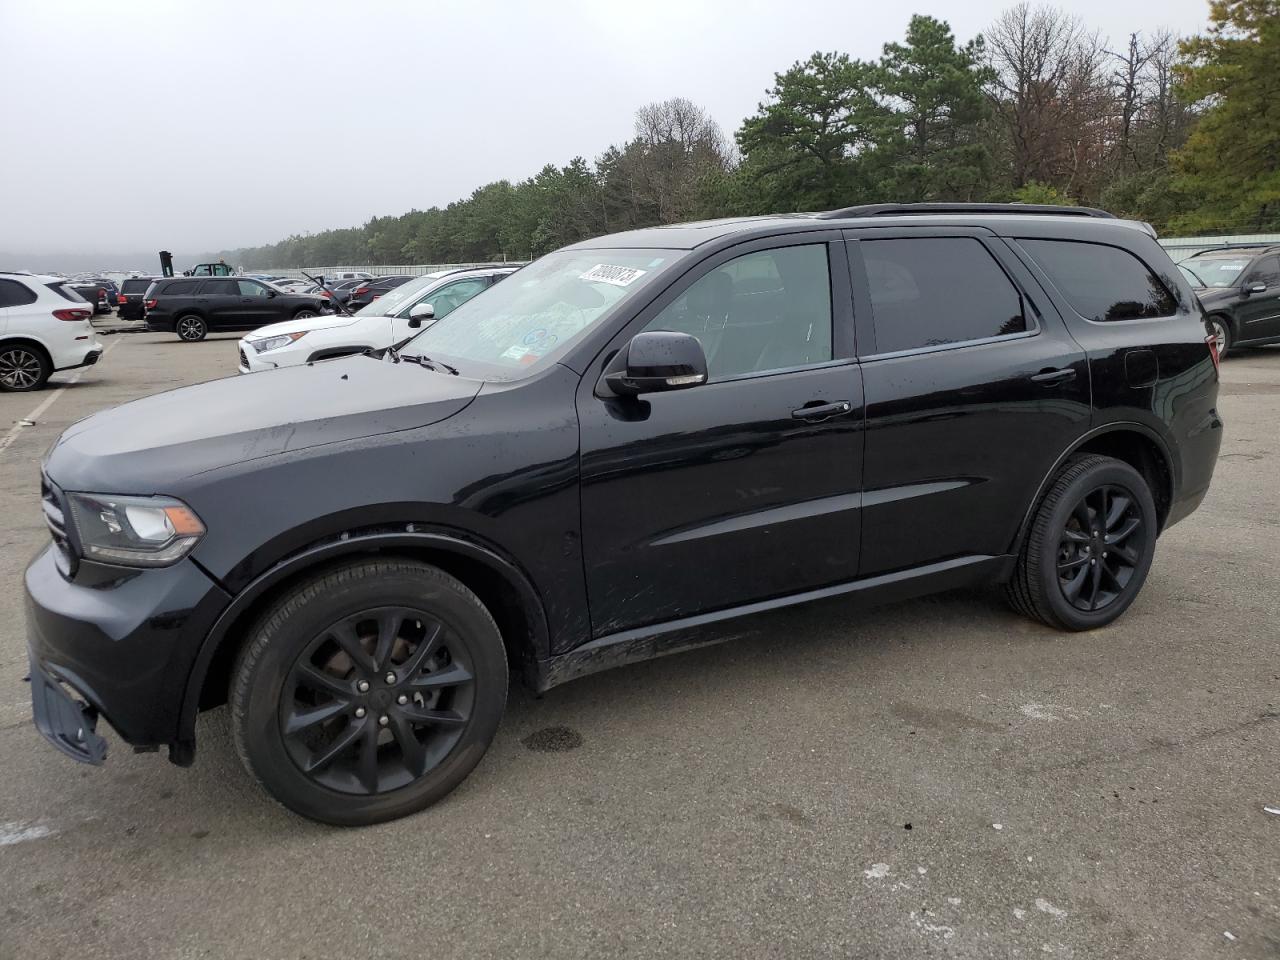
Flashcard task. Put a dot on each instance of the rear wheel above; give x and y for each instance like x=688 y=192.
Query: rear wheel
x=1090 y=546
x=191 y=328
x=304 y=315
x=23 y=367
x=369 y=692
x=1221 y=335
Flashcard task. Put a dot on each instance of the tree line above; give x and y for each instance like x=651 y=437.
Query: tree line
x=1181 y=132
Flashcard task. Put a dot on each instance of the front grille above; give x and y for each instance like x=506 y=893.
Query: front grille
x=244 y=361
x=55 y=517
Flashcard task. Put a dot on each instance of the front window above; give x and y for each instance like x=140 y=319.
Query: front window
x=531 y=319
x=1217 y=272
x=393 y=300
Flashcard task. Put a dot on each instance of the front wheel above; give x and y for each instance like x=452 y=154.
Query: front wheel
x=1090 y=546
x=369 y=692
x=191 y=328
x=1221 y=335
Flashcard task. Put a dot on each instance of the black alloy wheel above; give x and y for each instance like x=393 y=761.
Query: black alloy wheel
x=191 y=328
x=376 y=700
x=369 y=691
x=1090 y=546
x=1102 y=544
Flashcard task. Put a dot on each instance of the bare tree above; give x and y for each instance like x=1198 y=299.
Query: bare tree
x=677 y=145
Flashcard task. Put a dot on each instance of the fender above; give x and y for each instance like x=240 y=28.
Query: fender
x=1080 y=441
x=357 y=541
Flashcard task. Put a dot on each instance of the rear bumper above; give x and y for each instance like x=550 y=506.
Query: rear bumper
x=124 y=645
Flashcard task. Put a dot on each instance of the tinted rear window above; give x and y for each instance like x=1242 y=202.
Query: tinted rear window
x=66 y=291
x=179 y=287
x=135 y=286
x=1100 y=282
x=932 y=291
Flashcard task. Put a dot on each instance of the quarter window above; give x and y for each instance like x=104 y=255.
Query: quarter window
x=762 y=311
x=1101 y=282
x=932 y=291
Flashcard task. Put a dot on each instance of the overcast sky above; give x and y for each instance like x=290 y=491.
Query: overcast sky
x=196 y=126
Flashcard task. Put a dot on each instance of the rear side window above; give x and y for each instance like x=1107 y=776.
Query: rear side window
x=66 y=291
x=1102 y=283
x=177 y=288
x=220 y=288
x=932 y=291
x=15 y=294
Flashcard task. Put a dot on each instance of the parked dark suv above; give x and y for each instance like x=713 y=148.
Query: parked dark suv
x=602 y=459
x=130 y=299
x=1240 y=290
x=191 y=307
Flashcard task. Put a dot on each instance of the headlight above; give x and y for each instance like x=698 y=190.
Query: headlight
x=275 y=343
x=134 y=531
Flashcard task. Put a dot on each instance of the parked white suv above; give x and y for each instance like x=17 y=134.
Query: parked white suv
x=44 y=326
x=397 y=315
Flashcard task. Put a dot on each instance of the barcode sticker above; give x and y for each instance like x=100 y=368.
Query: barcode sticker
x=617 y=276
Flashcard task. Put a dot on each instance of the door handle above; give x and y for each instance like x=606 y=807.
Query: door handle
x=1050 y=377
x=817 y=411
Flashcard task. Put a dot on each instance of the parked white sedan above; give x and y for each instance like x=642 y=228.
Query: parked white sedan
x=386 y=321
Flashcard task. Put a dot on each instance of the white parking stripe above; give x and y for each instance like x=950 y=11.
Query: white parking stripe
x=48 y=401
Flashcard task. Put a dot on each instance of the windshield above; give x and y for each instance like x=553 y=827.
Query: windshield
x=1192 y=277
x=397 y=297
x=530 y=319
x=1218 y=271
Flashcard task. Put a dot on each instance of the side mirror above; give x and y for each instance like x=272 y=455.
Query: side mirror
x=420 y=312
x=1254 y=288
x=270 y=294
x=654 y=362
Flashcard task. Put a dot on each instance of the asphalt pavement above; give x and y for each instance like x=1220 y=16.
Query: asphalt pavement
x=939 y=778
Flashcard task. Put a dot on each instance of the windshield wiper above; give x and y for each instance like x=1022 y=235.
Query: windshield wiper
x=424 y=361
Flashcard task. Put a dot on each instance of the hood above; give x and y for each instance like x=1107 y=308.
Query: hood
x=148 y=445
x=327 y=321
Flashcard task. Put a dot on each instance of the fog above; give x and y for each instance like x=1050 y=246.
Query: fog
x=136 y=126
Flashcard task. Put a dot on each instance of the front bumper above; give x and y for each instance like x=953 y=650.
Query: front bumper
x=66 y=722
x=124 y=641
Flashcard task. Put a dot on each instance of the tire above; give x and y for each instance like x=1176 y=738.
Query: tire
x=190 y=328
x=23 y=367
x=304 y=315
x=1061 y=553
x=1222 y=331
x=293 y=670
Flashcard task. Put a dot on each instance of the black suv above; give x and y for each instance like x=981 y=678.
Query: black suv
x=193 y=307
x=132 y=293
x=636 y=439
x=1240 y=289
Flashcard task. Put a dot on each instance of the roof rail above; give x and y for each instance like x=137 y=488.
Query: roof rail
x=1255 y=245
x=931 y=209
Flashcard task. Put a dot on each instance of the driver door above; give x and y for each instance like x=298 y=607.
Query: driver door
x=747 y=487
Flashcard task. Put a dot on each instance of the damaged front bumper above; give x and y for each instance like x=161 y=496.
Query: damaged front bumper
x=67 y=722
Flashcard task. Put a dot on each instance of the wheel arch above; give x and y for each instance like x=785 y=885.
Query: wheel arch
x=1132 y=443
x=29 y=341
x=497 y=580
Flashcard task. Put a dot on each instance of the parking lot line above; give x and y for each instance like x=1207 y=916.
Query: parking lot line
x=49 y=401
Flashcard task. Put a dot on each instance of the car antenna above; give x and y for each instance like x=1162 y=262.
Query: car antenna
x=333 y=297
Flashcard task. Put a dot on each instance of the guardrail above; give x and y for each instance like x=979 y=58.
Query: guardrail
x=381 y=269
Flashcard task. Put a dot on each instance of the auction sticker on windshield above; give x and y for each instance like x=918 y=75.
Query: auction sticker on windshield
x=617 y=276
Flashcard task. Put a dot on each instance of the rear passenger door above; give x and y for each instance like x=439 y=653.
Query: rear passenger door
x=974 y=387
x=220 y=301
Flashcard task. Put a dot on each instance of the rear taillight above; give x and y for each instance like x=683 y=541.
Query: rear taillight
x=376 y=296
x=121 y=298
x=1212 y=341
x=359 y=290
x=325 y=294
x=73 y=313
x=151 y=304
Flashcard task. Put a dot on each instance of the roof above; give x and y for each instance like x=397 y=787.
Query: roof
x=1235 y=250
x=686 y=236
